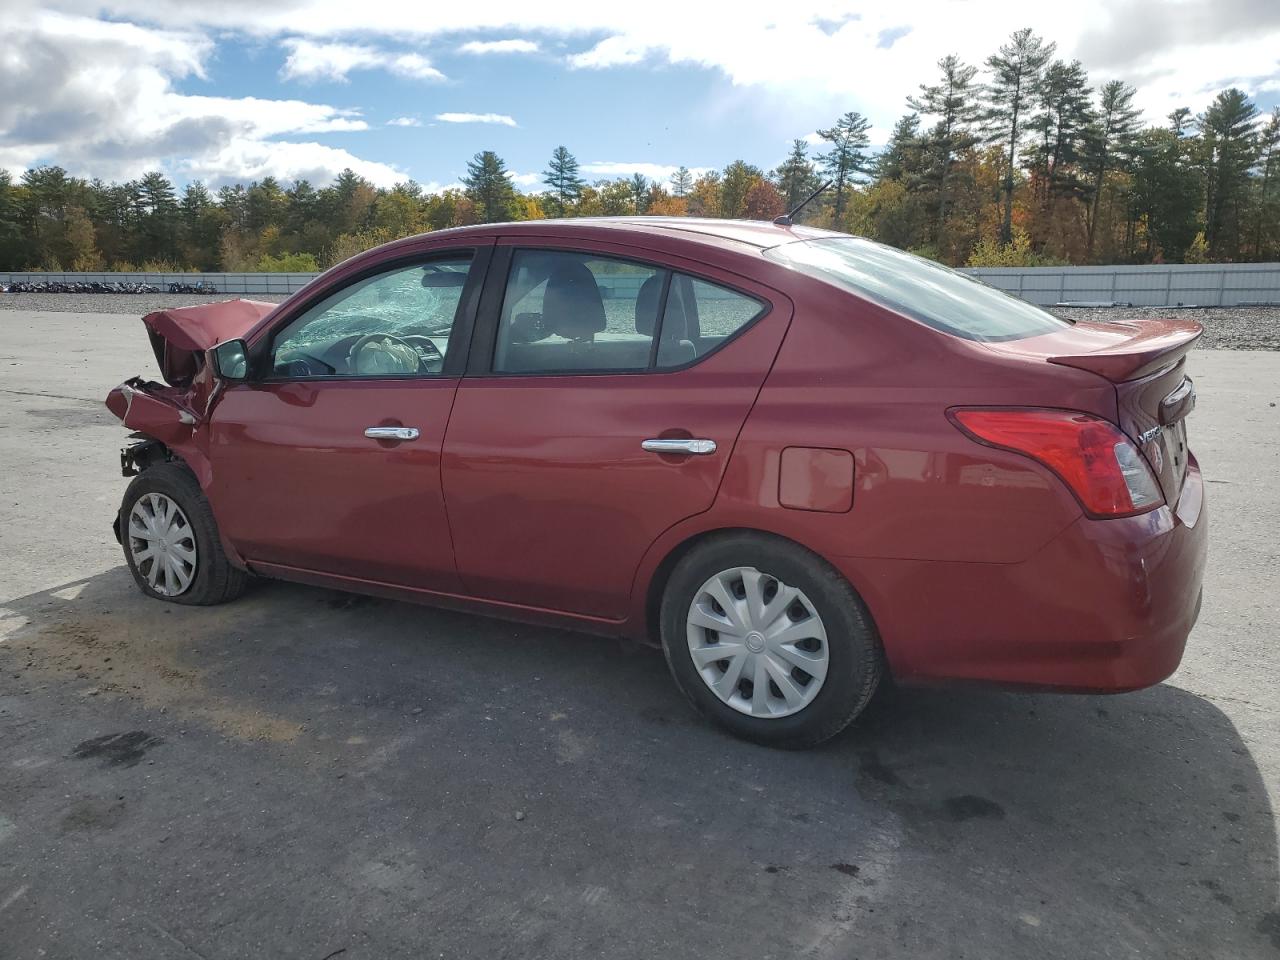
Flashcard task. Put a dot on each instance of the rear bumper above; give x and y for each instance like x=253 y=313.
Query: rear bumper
x=1105 y=607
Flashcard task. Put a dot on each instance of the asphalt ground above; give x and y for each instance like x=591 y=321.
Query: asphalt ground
x=310 y=774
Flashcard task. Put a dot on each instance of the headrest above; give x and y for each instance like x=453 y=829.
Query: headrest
x=572 y=306
x=647 y=305
x=675 y=326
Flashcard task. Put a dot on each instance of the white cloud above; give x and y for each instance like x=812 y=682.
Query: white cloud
x=499 y=46
x=262 y=118
x=404 y=122
x=63 y=70
x=98 y=98
x=309 y=60
x=525 y=179
x=828 y=55
x=243 y=160
x=618 y=51
x=499 y=118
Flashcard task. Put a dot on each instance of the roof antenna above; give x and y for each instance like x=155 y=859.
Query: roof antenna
x=787 y=219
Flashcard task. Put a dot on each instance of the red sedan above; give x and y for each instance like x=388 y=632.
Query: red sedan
x=795 y=458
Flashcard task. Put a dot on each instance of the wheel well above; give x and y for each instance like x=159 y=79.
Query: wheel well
x=136 y=459
x=144 y=453
x=658 y=583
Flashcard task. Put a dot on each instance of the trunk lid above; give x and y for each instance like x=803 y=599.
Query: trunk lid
x=180 y=335
x=1146 y=362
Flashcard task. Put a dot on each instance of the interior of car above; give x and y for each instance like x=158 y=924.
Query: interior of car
x=573 y=330
x=393 y=324
x=562 y=312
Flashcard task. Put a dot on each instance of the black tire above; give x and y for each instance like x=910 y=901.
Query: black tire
x=855 y=657
x=215 y=579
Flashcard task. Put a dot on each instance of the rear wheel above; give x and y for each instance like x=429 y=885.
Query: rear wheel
x=768 y=640
x=171 y=542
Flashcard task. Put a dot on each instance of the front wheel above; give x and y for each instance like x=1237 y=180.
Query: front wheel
x=171 y=542
x=768 y=640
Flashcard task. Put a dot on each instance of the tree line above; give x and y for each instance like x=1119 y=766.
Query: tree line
x=1019 y=162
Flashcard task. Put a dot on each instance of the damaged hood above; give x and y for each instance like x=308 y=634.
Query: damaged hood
x=181 y=335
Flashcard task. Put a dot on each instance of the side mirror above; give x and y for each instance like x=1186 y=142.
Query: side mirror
x=231 y=360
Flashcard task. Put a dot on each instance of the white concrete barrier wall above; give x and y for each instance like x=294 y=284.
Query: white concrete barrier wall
x=1209 y=285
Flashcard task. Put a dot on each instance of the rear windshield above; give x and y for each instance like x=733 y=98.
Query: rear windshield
x=919 y=288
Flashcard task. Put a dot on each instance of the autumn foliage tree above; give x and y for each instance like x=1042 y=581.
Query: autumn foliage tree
x=1022 y=163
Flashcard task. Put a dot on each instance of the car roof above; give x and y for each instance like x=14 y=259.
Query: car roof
x=757 y=234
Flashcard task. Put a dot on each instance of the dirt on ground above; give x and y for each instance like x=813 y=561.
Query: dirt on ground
x=152 y=669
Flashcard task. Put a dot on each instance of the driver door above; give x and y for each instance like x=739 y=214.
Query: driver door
x=330 y=462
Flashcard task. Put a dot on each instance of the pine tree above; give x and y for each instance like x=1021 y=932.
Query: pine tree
x=10 y=228
x=951 y=100
x=1269 y=179
x=561 y=176
x=681 y=182
x=796 y=178
x=639 y=191
x=1166 y=195
x=901 y=158
x=1111 y=138
x=847 y=157
x=489 y=187
x=201 y=223
x=1227 y=130
x=158 y=211
x=1065 y=115
x=1016 y=69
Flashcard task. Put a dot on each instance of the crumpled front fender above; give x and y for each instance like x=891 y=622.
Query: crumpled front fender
x=159 y=412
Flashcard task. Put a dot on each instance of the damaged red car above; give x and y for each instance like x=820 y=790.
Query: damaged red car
x=798 y=460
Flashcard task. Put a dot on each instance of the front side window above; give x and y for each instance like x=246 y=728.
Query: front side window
x=395 y=323
x=575 y=312
x=935 y=295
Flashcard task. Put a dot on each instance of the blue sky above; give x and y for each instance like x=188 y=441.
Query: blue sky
x=226 y=90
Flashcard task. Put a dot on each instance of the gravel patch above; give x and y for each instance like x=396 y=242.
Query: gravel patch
x=134 y=303
x=1225 y=328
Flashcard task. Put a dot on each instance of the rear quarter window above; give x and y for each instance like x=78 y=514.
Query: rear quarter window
x=935 y=295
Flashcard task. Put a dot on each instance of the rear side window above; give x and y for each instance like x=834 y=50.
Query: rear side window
x=569 y=312
x=699 y=317
x=926 y=291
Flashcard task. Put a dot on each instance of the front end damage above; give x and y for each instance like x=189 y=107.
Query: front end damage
x=167 y=419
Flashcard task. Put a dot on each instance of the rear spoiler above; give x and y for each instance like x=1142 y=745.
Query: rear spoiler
x=1149 y=346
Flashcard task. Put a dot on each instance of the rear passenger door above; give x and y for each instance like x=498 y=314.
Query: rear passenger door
x=605 y=392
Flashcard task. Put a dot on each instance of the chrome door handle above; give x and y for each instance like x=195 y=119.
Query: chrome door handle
x=392 y=433
x=698 y=448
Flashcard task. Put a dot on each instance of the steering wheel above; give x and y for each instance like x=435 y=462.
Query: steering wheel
x=377 y=354
x=428 y=353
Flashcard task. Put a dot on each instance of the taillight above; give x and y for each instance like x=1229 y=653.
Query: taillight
x=1097 y=462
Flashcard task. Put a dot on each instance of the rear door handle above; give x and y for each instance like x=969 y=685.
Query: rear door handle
x=698 y=448
x=392 y=433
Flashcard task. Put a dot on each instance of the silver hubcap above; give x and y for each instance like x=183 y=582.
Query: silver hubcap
x=757 y=643
x=162 y=544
